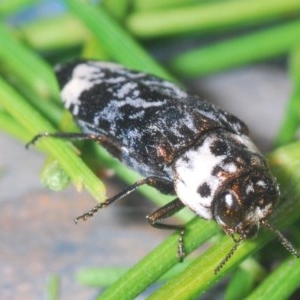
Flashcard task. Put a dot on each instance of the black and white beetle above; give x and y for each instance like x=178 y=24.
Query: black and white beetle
x=180 y=143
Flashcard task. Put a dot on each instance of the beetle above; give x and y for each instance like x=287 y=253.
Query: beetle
x=181 y=144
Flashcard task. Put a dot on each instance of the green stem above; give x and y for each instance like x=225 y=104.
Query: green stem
x=244 y=279
x=32 y=121
x=9 y=7
x=27 y=68
x=146 y=5
x=159 y=261
x=53 y=288
x=54 y=33
x=115 y=40
x=280 y=284
x=290 y=124
x=10 y=126
x=105 y=276
x=203 y=18
x=117 y=8
x=250 y=48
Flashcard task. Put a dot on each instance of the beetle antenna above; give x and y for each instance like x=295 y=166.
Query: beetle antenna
x=283 y=240
x=228 y=256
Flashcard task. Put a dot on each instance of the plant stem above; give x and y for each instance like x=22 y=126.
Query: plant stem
x=10 y=126
x=32 y=121
x=287 y=132
x=280 y=284
x=247 y=49
x=159 y=261
x=27 y=68
x=8 y=6
x=204 y=18
x=54 y=33
x=146 y=5
x=115 y=40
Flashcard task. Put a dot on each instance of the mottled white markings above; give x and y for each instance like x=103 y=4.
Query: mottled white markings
x=249 y=188
x=231 y=168
x=126 y=89
x=133 y=135
x=71 y=92
x=261 y=183
x=86 y=76
x=139 y=103
x=112 y=111
x=193 y=170
x=137 y=116
x=167 y=87
x=80 y=82
x=114 y=80
x=136 y=93
x=245 y=140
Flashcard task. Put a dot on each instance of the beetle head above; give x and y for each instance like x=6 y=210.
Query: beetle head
x=244 y=205
x=244 y=202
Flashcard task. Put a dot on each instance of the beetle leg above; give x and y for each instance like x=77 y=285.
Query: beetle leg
x=149 y=180
x=167 y=211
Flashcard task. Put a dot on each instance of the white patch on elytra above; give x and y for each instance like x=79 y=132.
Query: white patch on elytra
x=80 y=82
x=194 y=169
x=249 y=188
x=139 y=103
x=136 y=93
x=112 y=111
x=125 y=89
x=86 y=75
x=231 y=168
x=139 y=115
x=72 y=90
x=132 y=135
x=115 y=80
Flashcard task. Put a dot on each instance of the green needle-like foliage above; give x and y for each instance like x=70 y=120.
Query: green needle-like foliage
x=26 y=77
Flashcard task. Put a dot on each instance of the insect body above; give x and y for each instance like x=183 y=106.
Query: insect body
x=180 y=143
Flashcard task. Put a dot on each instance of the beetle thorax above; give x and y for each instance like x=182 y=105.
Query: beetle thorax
x=195 y=183
x=203 y=170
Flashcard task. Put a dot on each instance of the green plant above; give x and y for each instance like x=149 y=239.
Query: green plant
x=101 y=35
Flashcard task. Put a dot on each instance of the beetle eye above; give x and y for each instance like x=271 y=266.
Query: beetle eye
x=232 y=215
x=227 y=211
